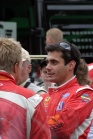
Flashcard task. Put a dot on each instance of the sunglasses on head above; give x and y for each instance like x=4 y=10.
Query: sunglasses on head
x=65 y=45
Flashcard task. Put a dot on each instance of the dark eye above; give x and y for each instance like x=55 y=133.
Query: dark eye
x=54 y=62
x=45 y=72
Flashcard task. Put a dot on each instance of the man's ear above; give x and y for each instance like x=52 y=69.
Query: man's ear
x=16 y=71
x=30 y=68
x=15 y=68
x=50 y=40
x=72 y=65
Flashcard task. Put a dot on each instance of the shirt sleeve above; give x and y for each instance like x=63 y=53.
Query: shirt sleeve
x=74 y=113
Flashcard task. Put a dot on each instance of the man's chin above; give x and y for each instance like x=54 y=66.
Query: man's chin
x=51 y=79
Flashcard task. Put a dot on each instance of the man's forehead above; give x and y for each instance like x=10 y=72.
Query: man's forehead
x=25 y=62
x=51 y=59
x=54 y=55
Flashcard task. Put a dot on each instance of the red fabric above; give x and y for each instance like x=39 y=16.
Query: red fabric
x=13 y=117
x=11 y=120
x=66 y=110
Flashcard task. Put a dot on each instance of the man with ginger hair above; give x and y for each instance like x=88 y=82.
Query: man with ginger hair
x=21 y=113
x=54 y=35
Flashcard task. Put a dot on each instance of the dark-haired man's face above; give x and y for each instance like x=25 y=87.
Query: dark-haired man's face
x=44 y=74
x=57 y=71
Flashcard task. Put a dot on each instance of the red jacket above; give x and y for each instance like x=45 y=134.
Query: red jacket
x=69 y=111
x=21 y=112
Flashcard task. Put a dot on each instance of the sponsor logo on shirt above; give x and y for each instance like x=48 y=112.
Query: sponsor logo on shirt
x=46 y=101
x=85 y=97
x=65 y=95
x=60 y=106
x=54 y=123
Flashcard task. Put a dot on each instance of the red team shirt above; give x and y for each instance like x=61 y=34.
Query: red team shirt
x=69 y=111
x=21 y=112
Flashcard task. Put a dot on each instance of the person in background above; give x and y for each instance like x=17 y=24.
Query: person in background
x=90 y=73
x=68 y=106
x=82 y=73
x=45 y=83
x=24 y=79
x=54 y=35
x=21 y=112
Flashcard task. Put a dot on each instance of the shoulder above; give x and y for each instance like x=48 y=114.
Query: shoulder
x=35 y=88
x=31 y=97
x=35 y=100
x=84 y=88
x=24 y=91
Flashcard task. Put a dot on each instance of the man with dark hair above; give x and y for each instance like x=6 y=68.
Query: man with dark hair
x=43 y=63
x=45 y=83
x=68 y=105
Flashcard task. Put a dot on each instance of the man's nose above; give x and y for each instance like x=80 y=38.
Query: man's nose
x=48 y=66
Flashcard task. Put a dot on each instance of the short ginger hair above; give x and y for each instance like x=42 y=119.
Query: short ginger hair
x=56 y=34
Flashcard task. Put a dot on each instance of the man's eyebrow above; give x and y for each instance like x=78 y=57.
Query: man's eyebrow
x=53 y=60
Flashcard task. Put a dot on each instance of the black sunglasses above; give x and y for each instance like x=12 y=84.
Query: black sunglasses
x=65 y=45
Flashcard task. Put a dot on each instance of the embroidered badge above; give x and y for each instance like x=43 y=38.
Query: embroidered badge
x=65 y=95
x=60 y=106
x=46 y=101
x=54 y=123
x=85 y=97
